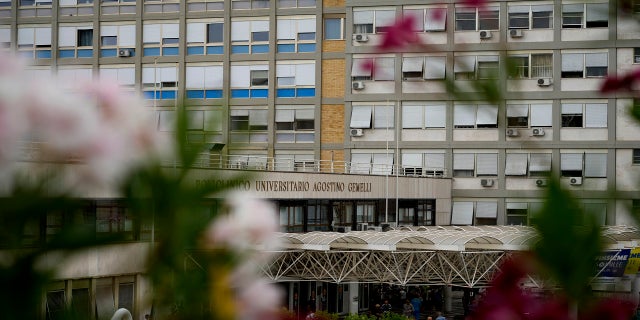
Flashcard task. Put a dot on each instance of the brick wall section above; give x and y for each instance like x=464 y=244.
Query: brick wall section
x=333 y=78
x=333 y=46
x=332 y=124
x=338 y=161
x=333 y=3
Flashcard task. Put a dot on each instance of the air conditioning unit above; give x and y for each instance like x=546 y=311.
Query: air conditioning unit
x=356 y=132
x=486 y=182
x=485 y=34
x=537 y=132
x=359 y=37
x=124 y=53
x=343 y=229
x=373 y=228
x=516 y=33
x=512 y=133
x=541 y=183
x=363 y=226
x=545 y=82
x=358 y=85
x=575 y=181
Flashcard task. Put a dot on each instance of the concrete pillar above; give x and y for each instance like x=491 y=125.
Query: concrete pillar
x=447 y=296
x=353 y=298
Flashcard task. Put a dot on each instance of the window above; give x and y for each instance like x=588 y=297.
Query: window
x=203 y=82
x=476 y=68
x=571 y=164
x=204 y=120
x=365 y=212
x=116 y=37
x=248 y=125
x=382 y=115
x=597 y=15
x=372 y=21
x=297 y=35
x=584 y=65
x=34 y=8
x=293 y=161
x=296 y=3
x=113 y=217
x=249 y=81
x=529 y=115
x=531 y=66
x=291 y=217
x=34 y=42
x=334 y=29
x=109 y=7
x=250 y=36
x=75 y=42
x=124 y=77
x=520 y=213
x=539 y=164
x=205 y=5
x=531 y=17
x=427 y=68
x=295 y=123
x=472 y=116
x=249 y=4
x=377 y=69
x=417 y=115
x=636 y=55
x=55 y=304
x=430 y=164
x=473 y=19
x=160 y=39
x=475 y=165
x=161 y=6
x=295 y=80
x=428 y=19
x=636 y=157
x=205 y=38
x=5 y=38
x=159 y=82
x=372 y=163
x=75 y=7
x=70 y=78
x=591 y=165
x=584 y=115
x=474 y=213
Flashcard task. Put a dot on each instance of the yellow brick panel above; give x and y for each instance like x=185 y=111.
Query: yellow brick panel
x=333 y=77
x=333 y=46
x=332 y=124
x=327 y=165
x=333 y=3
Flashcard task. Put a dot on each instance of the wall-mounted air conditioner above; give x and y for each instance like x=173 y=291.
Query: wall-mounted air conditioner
x=359 y=37
x=363 y=226
x=356 y=132
x=516 y=33
x=545 y=82
x=537 y=132
x=486 y=182
x=124 y=53
x=485 y=34
x=357 y=85
x=511 y=133
x=541 y=183
x=575 y=181
x=343 y=229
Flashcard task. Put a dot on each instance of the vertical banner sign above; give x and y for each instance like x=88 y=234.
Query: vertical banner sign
x=634 y=262
x=612 y=263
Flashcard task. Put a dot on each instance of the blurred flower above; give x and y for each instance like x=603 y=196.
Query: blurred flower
x=625 y=82
x=400 y=34
x=610 y=308
x=475 y=3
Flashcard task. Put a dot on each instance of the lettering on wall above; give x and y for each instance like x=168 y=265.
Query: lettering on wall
x=288 y=185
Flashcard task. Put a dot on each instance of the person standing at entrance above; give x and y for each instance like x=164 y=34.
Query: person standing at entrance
x=416 y=302
x=407 y=309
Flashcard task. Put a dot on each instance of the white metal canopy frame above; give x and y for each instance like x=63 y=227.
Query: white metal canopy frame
x=464 y=256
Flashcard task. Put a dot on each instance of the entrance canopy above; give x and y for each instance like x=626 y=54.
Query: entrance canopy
x=454 y=255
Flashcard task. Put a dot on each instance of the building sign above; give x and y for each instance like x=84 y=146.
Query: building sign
x=634 y=262
x=288 y=185
x=612 y=263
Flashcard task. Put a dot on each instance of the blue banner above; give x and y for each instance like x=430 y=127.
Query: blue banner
x=612 y=263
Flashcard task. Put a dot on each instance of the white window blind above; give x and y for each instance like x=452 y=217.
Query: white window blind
x=194 y=77
x=259 y=26
x=67 y=36
x=464 y=64
x=463 y=161
x=383 y=117
x=127 y=36
x=435 y=67
x=123 y=76
x=360 y=163
x=571 y=161
x=540 y=162
x=516 y=164
x=595 y=165
x=436 y=19
x=412 y=64
x=195 y=119
x=258 y=117
x=464 y=115
x=541 y=115
x=595 y=115
x=361 y=117
x=5 y=35
x=286 y=29
x=240 y=30
x=487 y=115
x=305 y=114
x=170 y=30
x=213 y=120
x=517 y=110
x=486 y=209
x=384 y=69
x=382 y=163
x=571 y=108
x=359 y=69
x=196 y=32
x=109 y=31
x=435 y=116
x=596 y=59
x=434 y=161
x=487 y=164
x=517 y=205
x=25 y=36
x=285 y=115
x=462 y=213
x=43 y=36
x=240 y=76
x=572 y=62
x=412 y=160
x=166 y=120
x=412 y=116
x=385 y=18
x=305 y=74
x=151 y=33
x=306 y=25
x=597 y=11
x=363 y=17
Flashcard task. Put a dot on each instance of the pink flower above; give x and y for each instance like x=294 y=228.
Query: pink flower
x=611 y=309
x=399 y=35
x=260 y=300
x=625 y=82
x=475 y=3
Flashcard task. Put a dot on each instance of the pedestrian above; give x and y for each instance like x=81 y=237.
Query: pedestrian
x=385 y=307
x=407 y=309
x=416 y=302
x=440 y=316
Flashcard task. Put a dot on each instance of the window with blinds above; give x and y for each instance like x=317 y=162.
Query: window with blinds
x=584 y=115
